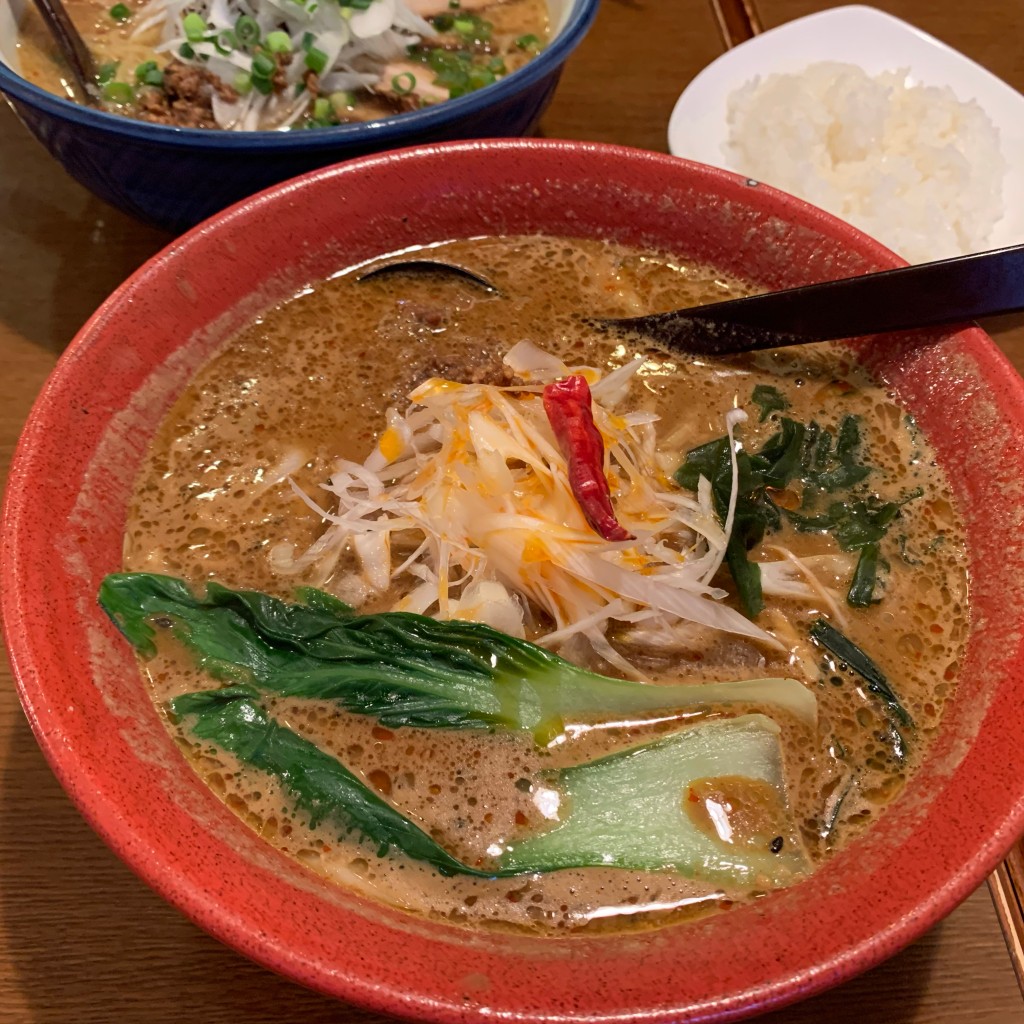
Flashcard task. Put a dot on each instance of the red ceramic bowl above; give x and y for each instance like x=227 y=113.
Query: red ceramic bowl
x=65 y=511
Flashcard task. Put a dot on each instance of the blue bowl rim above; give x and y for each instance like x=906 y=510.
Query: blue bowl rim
x=391 y=130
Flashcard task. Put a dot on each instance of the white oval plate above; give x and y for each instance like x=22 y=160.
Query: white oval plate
x=875 y=42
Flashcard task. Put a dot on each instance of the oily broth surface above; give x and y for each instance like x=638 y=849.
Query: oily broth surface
x=308 y=383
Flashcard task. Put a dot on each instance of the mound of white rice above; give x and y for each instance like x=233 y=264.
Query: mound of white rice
x=910 y=165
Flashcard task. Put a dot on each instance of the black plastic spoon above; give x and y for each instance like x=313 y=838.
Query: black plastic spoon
x=946 y=291
x=425 y=266
x=926 y=295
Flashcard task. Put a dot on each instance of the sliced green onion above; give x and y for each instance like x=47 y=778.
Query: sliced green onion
x=148 y=73
x=226 y=42
x=278 y=42
x=358 y=5
x=322 y=109
x=316 y=60
x=464 y=25
x=242 y=83
x=479 y=77
x=528 y=42
x=118 y=92
x=120 y=12
x=263 y=66
x=307 y=41
x=195 y=27
x=105 y=72
x=342 y=102
x=186 y=51
x=404 y=83
x=247 y=30
x=262 y=85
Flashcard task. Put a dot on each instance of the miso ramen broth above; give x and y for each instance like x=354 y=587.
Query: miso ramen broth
x=306 y=388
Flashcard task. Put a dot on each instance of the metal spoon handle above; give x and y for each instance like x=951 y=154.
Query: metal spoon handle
x=72 y=47
x=926 y=295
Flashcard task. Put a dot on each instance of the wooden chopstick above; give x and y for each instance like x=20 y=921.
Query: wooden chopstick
x=737 y=20
x=72 y=47
x=1006 y=884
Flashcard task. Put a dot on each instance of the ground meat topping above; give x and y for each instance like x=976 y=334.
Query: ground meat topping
x=186 y=98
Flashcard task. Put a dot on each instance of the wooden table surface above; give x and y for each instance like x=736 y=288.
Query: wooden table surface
x=81 y=939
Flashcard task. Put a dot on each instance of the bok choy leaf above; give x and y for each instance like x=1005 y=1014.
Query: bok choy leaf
x=402 y=668
x=320 y=784
x=643 y=809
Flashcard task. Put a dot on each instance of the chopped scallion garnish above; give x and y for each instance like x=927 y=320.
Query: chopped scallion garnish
x=263 y=66
x=225 y=42
x=278 y=42
x=528 y=42
x=404 y=83
x=120 y=12
x=105 y=72
x=118 y=92
x=195 y=27
x=342 y=102
x=316 y=60
x=148 y=73
x=247 y=30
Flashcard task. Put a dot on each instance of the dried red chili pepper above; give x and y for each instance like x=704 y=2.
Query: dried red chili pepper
x=568 y=408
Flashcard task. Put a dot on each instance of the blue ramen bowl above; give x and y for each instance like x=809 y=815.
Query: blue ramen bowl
x=176 y=177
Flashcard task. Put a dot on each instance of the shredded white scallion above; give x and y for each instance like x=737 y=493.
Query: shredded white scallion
x=466 y=507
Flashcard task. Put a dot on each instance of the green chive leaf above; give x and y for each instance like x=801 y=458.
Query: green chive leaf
x=770 y=400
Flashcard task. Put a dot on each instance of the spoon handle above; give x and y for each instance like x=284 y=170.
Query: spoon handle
x=926 y=295
x=72 y=47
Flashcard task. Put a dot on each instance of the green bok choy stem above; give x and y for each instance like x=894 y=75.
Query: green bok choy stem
x=402 y=668
x=630 y=809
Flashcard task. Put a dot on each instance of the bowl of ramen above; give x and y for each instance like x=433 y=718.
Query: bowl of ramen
x=427 y=642
x=198 y=105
